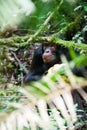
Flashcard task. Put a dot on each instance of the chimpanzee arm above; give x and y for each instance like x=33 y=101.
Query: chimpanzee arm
x=37 y=60
x=31 y=77
x=37 y=67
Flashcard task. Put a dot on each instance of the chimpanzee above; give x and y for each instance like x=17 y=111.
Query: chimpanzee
x=45 y=57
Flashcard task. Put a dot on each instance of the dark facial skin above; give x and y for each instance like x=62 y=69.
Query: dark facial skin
x=49 y=56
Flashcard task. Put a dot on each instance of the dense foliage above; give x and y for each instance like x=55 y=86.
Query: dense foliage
x=61 y=22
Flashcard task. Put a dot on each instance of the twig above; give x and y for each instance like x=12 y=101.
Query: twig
x=20 y=64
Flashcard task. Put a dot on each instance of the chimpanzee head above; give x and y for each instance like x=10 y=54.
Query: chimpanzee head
x=52 y=54
x=49 y=55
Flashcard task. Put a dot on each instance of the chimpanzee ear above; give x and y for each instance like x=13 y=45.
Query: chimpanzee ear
x=54 y=48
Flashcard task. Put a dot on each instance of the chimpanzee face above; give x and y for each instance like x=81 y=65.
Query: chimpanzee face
x=49 y=54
